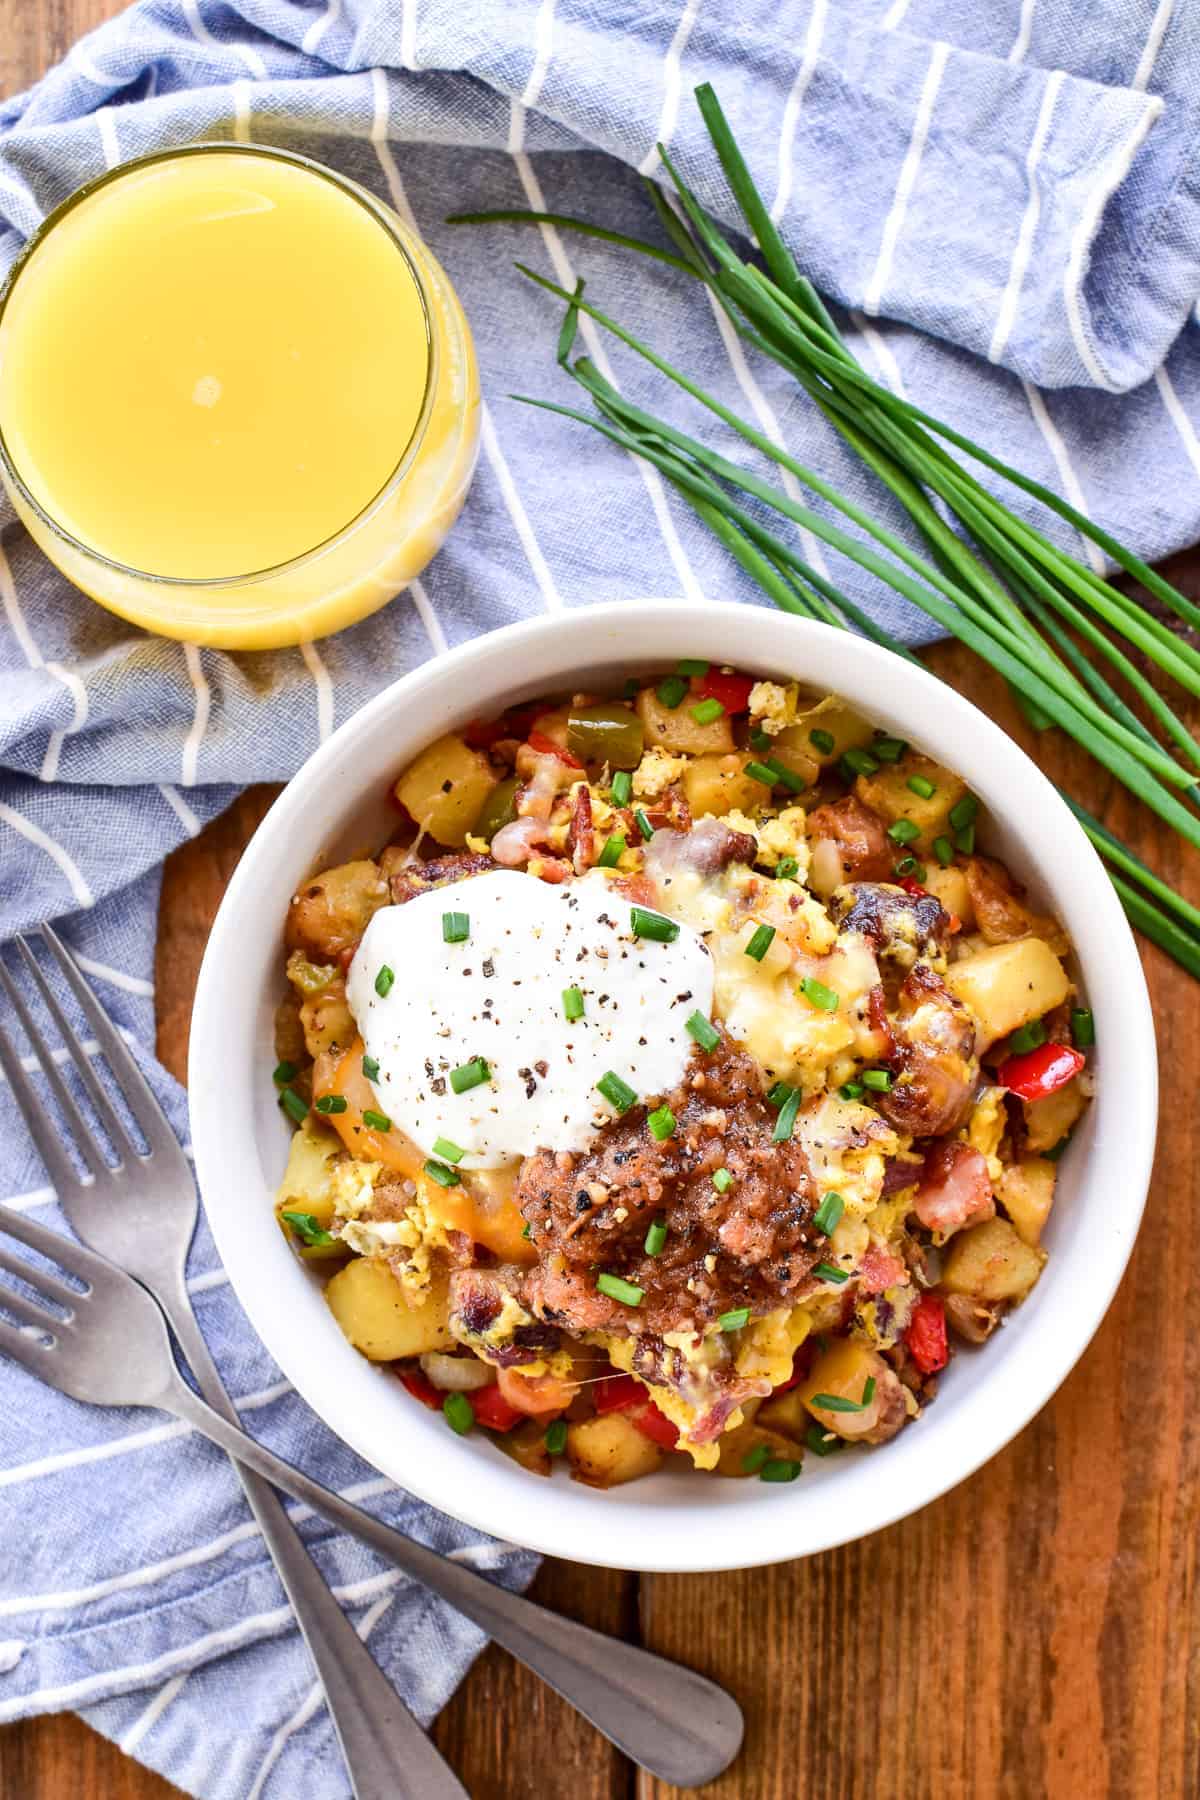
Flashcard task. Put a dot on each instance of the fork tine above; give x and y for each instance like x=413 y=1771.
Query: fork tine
x=111 y=1119
x=47 y=1285
x=19 y=1307
x=136 y=1090
x=59 y=1165
x=75 y=1258
x=85 y=1141
x=27 y=1350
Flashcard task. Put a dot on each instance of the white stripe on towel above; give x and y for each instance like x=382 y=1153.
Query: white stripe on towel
x=191 y=744
x=241 y=111
x=1066 y=468
x=428 y=617
x=324 y=686
x=148 y=1719
x=889 y=368
x=199 y=30
x=792 y=105
x=35 y=1197
x=78 y=693
x=1020 y=44
x=15 y=617
x=672 y=86
x=1153 y=44
x=180 y=808
x=132 y=984
x=319 y=27
x=908 y=176
x=408 y=35
x=1006 y=317
x=1178 y=417
x=543 y=48
x=1111 y=177
x=42 y=839
x=106 y=125
x=893 y=15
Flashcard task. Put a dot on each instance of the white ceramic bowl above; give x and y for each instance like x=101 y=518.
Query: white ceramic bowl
x=337 y=805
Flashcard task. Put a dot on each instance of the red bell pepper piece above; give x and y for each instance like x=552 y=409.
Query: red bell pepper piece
x=733 y=691
x=422 y=1389
x=912 y=886
x=655 y=1425
x=617 y=1393
x=925 y=1335
x=493 y=1410
x=1040 y=1072
x=545 y=746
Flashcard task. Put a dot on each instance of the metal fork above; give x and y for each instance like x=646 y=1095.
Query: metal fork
x=109 y=1346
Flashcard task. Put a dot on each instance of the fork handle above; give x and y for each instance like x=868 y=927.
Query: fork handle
x=671 y=1721
x=388 y=1755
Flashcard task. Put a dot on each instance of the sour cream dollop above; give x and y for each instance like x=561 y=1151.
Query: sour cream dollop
x=499 y=997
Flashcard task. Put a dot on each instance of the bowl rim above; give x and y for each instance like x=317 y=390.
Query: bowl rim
x=615 y=1529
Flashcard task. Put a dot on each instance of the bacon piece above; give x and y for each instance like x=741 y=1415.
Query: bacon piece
x=878 y=1270
x=418 y=877
x=581 y=838
x=859 y=836
x=893 y=920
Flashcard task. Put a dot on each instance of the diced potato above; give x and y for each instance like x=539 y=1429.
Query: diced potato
x=1027 y=1194
x=887 y=792
x=445 y=788
x=1049 y=1121
x=990 y=1262
x=844 y=1370
x=800 y=759
x=1007 y=985
x=608 y=1450
x=785 y=1413
x=719 y=784
x=306 y=1185
x=950 y=887
x=526 y=1444
x=744 y=1440
x=330 y=913
x=327 y=1019
x=376 y=1315
x=673 y=728
x=845 y=727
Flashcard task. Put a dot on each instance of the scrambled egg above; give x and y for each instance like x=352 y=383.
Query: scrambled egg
x=985 y=1128
x=773 y=705
x=655 y=773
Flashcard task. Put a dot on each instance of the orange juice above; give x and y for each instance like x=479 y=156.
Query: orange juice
x=238 y=400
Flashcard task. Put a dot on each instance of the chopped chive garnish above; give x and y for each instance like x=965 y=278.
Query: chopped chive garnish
x=1083 y=1028
x=656 y=1237
x=838 y=1402
x=1056 y=1150
x=888 y=749
x=376 y=1121
x=622 y=787
x=735 y=1320
x=1027 y=1037
x=612 y=852
x=572 y=1004
x=759 y=739
x=829 y=1212
x=760 y=942
x=671 y=690
x=384 y=980
x=442 y=1173
x=284 y=1072
x=448 y=1150
x=643 y=824
x=308 y=1228
x=851 y=1090
x=786 y=777
x=921 y=784
x=627 y=1292
x=826 y=1272
x=943 y=849
x=760 y=772
x=556 y=1438
x=630 y=688
x=469 y=1075
x=779 y=1093
x=787 y=869
x=818 y=995
x=780 y=1468
x=706 y=712
x=878 y=1080
x=459 y=1413
x=331 y=1103
x=963 y=812
x=822 y=1443
x=787 y=1117
x=652 y=925
x=908 y=865
x=526 y=1231
x=754 y=1459
x=904 y=831
x=824 y=741
x=704 y=1032
x=965 y=840
x=370 y=1068
x=618 y=1093
x=293 y=1105
x=860 y=762
x=691 y=665
x=722 y=1180
x=662 y=1123
x=456 y=927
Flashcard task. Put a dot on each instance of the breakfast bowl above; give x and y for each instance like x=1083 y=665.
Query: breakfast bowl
x=339 y=806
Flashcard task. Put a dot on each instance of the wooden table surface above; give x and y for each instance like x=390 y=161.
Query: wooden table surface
x=1032 y=1634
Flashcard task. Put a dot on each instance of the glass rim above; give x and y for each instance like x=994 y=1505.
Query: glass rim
x=386 y=219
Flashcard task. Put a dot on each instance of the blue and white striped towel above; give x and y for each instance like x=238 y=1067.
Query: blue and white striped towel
x=1004 y=199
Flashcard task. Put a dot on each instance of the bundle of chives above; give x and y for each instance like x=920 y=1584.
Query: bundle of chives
x=991 y=579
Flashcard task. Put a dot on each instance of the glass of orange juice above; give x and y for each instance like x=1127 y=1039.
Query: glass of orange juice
x=238 y=398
